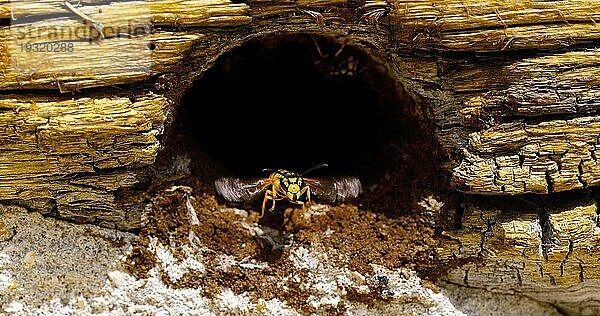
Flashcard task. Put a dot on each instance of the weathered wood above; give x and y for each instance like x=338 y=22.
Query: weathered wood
x=491 y=26
x=77 y=151
x=561 y=83
x=418 y=25
x=511 y=89
x=517 y=158
x=130 y=14
x=530 y=250
x=114 y=61
x=124 y=49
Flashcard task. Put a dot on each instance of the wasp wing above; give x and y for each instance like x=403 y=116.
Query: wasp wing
x=240 y=190
x=334 y=189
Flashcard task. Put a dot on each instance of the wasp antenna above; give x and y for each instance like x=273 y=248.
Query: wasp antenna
x=269 y=170
x=323 y=165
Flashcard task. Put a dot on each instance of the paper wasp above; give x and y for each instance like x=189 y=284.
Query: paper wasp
x=288 y=185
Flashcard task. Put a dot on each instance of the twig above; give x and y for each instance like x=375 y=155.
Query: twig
x=316 y=16
x=97 y=25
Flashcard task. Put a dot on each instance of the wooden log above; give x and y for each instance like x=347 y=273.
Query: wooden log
x=77 y=151
x=492 y=26
x=526 y=248
x=130 y=14
x=509 y=88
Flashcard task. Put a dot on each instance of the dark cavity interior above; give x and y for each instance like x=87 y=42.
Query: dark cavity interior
x=289 y=102
x=276 y=104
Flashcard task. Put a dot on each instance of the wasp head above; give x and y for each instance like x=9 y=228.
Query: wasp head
x=290 y=183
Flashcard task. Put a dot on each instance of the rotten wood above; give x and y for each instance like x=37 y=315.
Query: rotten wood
x=511 y=88
x=540 y=250
x=78 y=151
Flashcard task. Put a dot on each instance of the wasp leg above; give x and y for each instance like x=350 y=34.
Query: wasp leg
x=304 y=191
x=318 y=47
x=341 y=48
x=308 y=200
x=269 y=195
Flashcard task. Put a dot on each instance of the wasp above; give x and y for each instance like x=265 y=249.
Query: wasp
x=343 y=64
x=288 y=185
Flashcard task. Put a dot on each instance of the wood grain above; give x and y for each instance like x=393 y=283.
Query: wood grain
x=510 y=89
x=77 y=151
x=538 y=250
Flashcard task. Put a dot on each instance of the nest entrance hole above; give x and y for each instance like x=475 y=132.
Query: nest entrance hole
x=295 y=101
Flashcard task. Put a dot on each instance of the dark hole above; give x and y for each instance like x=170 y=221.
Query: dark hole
x=281 y=105
x=151 y=46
